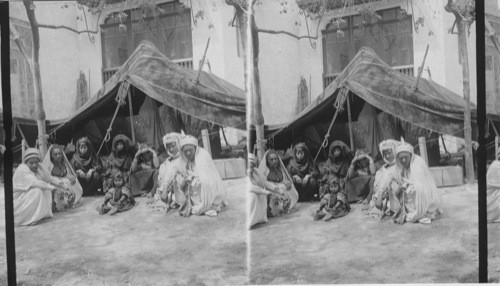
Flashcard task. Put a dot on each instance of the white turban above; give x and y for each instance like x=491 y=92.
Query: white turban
x=31 y=153
x=172 y=137
x=189 y=140
x=404 y=147
x=389 y=144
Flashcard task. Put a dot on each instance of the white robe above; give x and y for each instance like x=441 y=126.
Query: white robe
x=210 y=193
x=422 y=197
x=75 y=188
x=493 y=192
x=30 y=204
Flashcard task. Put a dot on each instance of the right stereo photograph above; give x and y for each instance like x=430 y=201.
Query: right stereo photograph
x=363 y=142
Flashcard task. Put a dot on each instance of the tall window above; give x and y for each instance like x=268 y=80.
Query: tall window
x=492 y=63
x=170 y=32
x=390 y=36
x=21 y=80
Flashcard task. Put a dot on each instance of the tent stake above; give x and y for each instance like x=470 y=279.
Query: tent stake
x=421 y=68
x=131 y=116
x=350 y=120
x=202 y=60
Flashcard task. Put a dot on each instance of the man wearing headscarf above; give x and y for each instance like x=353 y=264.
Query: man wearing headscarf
x=416 y=198
x=200 y=181
x=163 y=198
x=33 y=186
x=383 y=177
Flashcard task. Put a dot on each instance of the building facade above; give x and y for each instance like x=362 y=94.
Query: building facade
x=399 y=36
x=74 y=66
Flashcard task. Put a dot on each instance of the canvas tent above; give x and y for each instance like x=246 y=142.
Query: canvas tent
x=367 y=80
x=149 y=80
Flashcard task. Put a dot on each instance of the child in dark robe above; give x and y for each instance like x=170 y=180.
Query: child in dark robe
x=118 y=197
x=334 y=203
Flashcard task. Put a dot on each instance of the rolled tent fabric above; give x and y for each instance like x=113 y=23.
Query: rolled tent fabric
x=373 y=133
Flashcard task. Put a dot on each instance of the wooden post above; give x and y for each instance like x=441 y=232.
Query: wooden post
x=423 y=149
x=131 y=115
x=462 y=45
x=206 y=141
x=350 y=120
x=497 y=139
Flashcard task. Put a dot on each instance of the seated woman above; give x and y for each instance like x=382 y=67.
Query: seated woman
x=197 y=184
x=121 y=157
x=162 y=199
x=33 y=188
x=57 y=164
x=144 y=172
x=275 y=172
x=337 y=165
x=413 y=195
x=303 y=172
x=260 y=189
x=493 y=190
x=383 y=177
x=88 y=167
x=360 y=177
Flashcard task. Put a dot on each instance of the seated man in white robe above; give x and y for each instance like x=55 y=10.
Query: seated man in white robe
x=197 y=184
x=414 y=198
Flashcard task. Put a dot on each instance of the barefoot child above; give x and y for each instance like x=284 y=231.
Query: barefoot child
x=118 y=198
x=334 y=203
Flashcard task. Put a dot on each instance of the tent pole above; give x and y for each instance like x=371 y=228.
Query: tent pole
x=494 y=129
x=21 y=132
x=421 y=68
x=202 y=60
x=131 y=116
x=225 y=139
x=496 y=146
x=350 y=121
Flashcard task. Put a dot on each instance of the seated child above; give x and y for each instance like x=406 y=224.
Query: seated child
x=334 y=202
x=118 y=197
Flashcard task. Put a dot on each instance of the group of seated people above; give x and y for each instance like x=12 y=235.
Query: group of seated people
x=187 y=179
x=401 y=185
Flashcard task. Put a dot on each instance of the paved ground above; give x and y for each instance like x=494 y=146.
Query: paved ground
x=138 y=247
x=294 y=249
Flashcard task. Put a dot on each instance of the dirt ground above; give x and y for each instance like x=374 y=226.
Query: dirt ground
x=144 y=247
x=494 y=252
x=294 y=249
x=137 y=247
